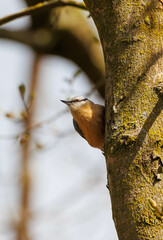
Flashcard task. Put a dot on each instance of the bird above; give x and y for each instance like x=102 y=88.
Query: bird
x=88 y=120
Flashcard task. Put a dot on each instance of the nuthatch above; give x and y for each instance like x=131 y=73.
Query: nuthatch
x=88 y=120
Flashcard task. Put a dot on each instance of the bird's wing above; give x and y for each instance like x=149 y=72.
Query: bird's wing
x=77 y=128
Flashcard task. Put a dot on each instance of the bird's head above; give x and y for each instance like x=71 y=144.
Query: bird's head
x=77 y=103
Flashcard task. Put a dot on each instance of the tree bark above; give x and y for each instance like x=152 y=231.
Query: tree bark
x=131 y=34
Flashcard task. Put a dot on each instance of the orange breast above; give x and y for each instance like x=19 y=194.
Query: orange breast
x=94 y=133
x=91 y=121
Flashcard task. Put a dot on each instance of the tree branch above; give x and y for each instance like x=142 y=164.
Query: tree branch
x=22 y=225
x=41 y=7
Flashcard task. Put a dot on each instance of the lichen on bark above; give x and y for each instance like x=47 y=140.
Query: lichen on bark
x=131 y=34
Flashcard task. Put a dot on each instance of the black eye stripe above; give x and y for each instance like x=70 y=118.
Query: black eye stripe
x=79 y=100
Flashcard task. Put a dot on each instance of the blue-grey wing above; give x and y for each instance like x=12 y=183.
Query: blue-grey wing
x=77 y=128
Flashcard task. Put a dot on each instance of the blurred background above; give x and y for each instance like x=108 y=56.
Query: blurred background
x=52 y=183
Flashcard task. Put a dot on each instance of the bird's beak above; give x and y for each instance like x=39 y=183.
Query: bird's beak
x=66 y=102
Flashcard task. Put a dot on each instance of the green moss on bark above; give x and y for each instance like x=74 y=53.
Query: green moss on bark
x=132 y=39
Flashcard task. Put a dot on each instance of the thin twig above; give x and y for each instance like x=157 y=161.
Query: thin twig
x=10 y=137
x=34 y=126
x=25 y=105
x=50 y=119
x=41 y=7
x=22 y=227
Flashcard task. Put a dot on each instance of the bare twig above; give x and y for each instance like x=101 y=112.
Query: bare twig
x=22 y=227
x=33 y=126
x=10 y=137
x=41 y=7
x=50 y=119
x=22 y=92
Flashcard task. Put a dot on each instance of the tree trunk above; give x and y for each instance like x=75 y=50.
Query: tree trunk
x=131 y=34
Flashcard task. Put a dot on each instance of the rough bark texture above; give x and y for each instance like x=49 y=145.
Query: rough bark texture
x=131 y=33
